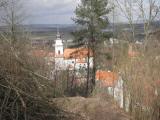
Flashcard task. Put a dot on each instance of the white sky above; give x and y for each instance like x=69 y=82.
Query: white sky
x=61 y=11
x=50 y=11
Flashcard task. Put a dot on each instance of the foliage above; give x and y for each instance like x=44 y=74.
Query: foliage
x=141 y=80
x=91 y=15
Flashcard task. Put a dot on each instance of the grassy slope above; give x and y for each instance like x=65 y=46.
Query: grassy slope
x=96 y=108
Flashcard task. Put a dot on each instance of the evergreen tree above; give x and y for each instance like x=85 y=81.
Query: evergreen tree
x=91 y=16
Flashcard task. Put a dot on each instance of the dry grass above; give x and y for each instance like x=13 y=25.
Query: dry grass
x=97 y=108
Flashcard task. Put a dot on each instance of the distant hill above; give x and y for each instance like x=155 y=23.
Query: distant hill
x=51 y=27
x=40 y=28
x=46 y=27
x=139 y=27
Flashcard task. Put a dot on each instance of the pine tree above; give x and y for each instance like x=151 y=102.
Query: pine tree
x=91 y=15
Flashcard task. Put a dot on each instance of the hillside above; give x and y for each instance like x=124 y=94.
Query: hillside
x=96 y=108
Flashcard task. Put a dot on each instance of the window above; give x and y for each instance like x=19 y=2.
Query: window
x=59 y=52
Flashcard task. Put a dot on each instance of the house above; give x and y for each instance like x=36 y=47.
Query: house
x=114 y=84
x=71 y=58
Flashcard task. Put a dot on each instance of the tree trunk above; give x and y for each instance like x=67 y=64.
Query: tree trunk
x=88 y=71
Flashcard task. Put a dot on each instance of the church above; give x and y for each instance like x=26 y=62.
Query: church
x=71 y=58
x=65 y=58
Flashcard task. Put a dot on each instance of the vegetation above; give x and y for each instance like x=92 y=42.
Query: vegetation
x=31 y=89
x=25 y=89
x=91 y=15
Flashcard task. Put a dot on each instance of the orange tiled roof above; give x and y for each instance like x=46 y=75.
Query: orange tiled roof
x=76 y=53
x=42 y=53
x=107 y=78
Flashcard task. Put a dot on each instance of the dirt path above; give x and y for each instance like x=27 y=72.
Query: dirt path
x=91 y=108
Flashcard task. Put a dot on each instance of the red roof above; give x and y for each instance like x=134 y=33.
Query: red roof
x=42 y=53
x=108 y=79
x=77 y=53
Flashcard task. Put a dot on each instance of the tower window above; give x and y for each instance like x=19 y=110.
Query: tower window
x=59 y=52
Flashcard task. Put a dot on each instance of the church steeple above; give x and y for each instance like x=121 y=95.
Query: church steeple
x=58 y=34
x=58 y=45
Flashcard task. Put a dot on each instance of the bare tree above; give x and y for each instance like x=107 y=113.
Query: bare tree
x=22 y=87
x=139 y=11
x=149 y=10
x=137 y=73
x=127 y=12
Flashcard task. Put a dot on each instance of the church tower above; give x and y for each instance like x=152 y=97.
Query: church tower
x=59 y=61
x=58 y=45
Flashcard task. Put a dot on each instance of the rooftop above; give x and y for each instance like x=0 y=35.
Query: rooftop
x=77 y=53
x=107 y=78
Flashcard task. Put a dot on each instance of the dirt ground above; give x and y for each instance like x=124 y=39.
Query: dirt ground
x=96 y=108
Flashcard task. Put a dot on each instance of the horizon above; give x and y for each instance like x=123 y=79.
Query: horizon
x=110 y=23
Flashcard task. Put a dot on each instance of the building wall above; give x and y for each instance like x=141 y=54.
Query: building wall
x=78 y=65
x=59 y=47
x=58 y=50
x=117 y=92
x=59 y=63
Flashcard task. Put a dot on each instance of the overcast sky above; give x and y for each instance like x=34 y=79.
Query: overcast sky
x=53 y=11
x=50 y=11
x=62 y=12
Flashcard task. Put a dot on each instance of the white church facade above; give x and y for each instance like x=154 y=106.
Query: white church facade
x=71 y=58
